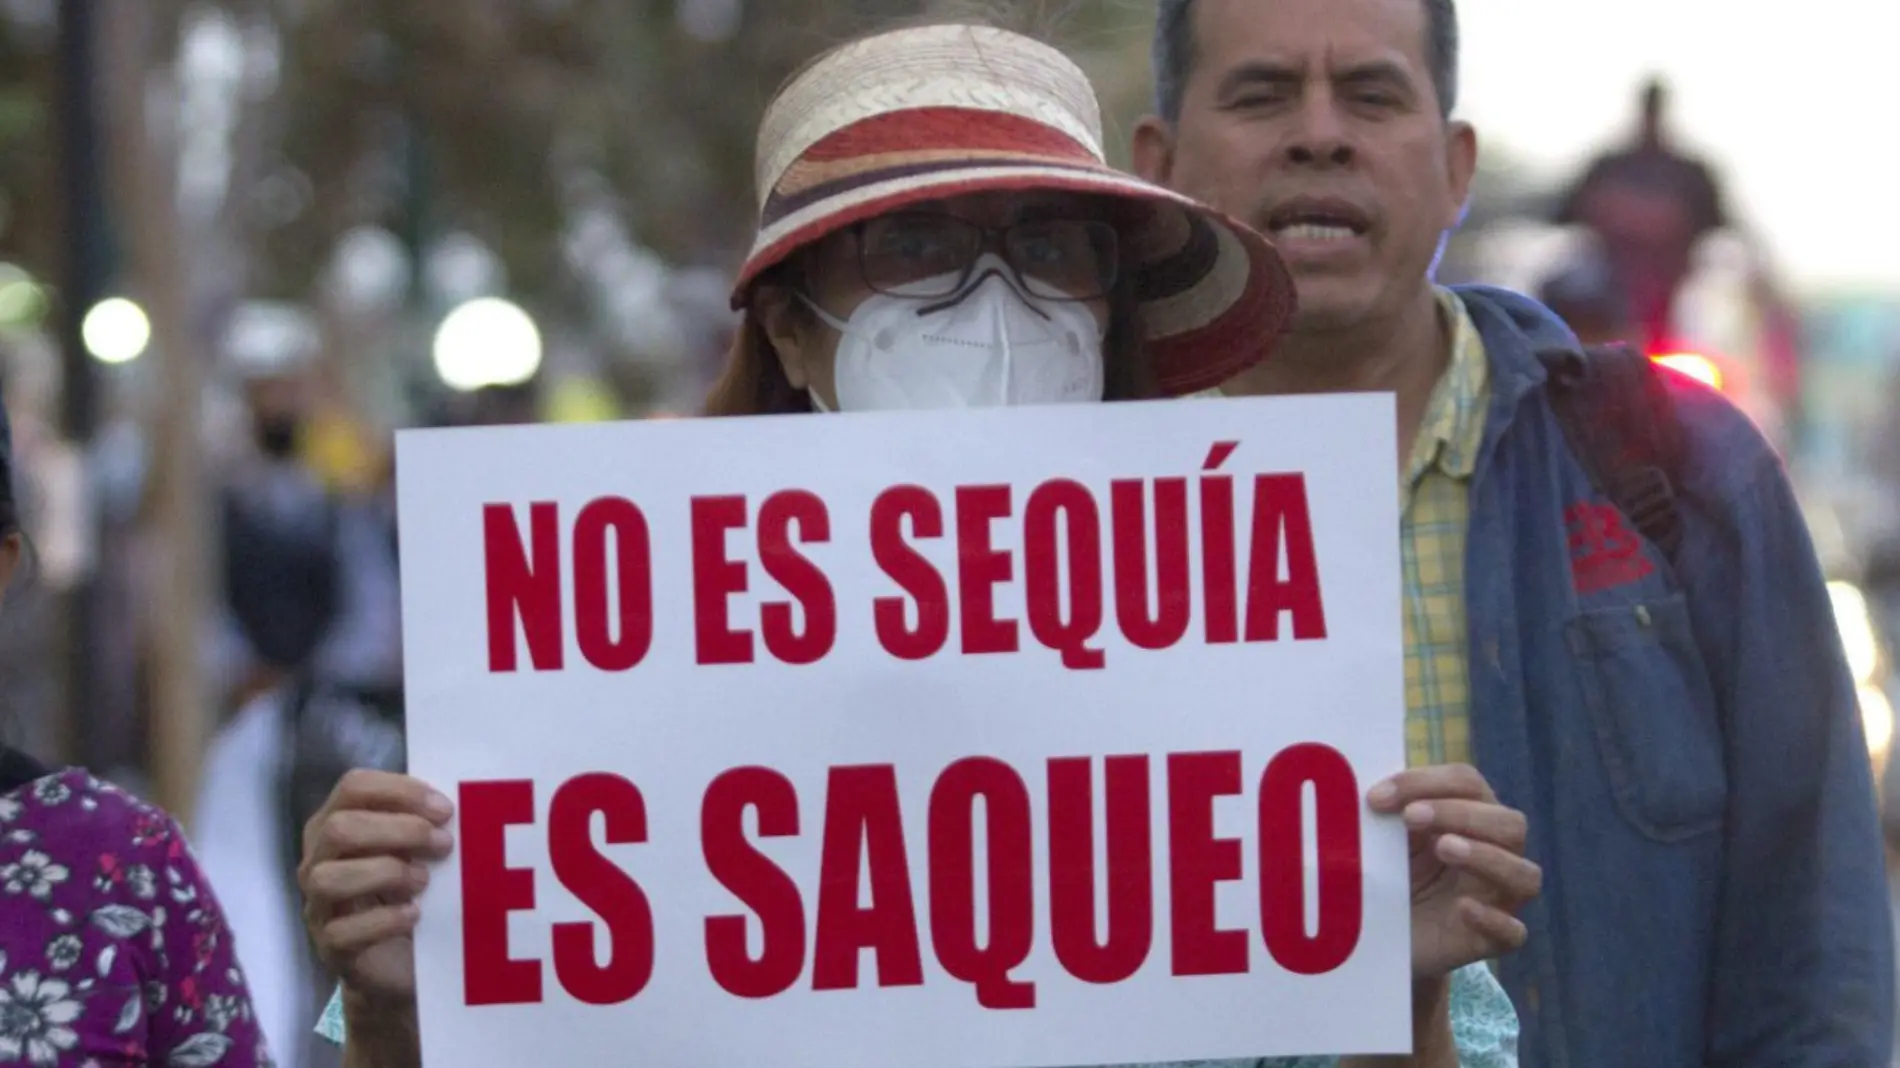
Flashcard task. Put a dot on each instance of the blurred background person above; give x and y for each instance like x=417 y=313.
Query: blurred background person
x=280 y=526
x=270 y=768
x=1649 y=204
x=311 y=620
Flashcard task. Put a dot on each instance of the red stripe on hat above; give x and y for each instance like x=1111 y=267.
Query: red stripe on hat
x=765 y=258
x=1242 y=335
x=939 y=129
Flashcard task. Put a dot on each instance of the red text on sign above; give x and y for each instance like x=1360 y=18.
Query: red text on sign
x=1088 y=565
x=865 y=842
x=1085 y=565
x=491 y=891
x=612 y=561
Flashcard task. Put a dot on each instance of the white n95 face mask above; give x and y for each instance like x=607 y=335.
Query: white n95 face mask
x=994 y=346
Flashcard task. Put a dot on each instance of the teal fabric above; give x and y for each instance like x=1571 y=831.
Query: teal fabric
x=1482 y=1020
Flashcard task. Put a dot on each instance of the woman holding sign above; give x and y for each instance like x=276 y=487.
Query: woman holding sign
x=938 y=229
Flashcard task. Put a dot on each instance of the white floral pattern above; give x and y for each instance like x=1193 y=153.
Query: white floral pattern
x=34 y=874
x=36 y=1018
x=95 y=969
x=64 y=952
x=52 y=791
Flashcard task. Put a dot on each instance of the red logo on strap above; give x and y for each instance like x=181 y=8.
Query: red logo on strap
x=1604 y=552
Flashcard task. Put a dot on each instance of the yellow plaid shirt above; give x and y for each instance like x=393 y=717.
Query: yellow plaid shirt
x=1436 y=510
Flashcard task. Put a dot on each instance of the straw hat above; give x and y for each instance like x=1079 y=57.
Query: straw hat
x=940 y=111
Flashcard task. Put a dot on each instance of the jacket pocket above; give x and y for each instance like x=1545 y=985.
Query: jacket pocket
x=1658 y=729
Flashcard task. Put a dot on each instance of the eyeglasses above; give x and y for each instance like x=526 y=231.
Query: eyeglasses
x=928 y=255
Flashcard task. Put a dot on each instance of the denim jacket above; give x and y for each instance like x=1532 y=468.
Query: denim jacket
x=1685 y=741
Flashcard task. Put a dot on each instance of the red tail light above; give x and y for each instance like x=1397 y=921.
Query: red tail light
x=1693 y=365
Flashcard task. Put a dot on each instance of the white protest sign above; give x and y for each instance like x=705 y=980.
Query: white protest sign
x=998 y=738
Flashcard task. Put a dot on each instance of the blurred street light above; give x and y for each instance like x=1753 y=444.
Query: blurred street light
x=1696 y=366
x=22 y=302
x=1876 y=718
x=116 y=330
x=487 y=342
x=268 y=339
x=460 y=268
x=369 y=271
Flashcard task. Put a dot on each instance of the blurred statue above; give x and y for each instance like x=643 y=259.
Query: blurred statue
x=1650 y=204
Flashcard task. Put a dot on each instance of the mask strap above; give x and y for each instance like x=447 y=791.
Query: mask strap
x=824 y=316
x=1009 y=374
x=817 y=402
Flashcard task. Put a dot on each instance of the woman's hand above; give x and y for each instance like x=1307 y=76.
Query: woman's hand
x=1469 y=873
x=365 y=860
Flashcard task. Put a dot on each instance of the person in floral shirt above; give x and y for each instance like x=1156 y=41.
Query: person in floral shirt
x=113 y=951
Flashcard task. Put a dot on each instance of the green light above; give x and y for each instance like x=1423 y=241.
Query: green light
x=22 y=301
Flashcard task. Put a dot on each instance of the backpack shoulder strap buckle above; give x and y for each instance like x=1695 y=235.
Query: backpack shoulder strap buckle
x=1614 y=407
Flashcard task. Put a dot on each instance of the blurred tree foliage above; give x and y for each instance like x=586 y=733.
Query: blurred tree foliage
x=494 y=116
x=482 y=115
x=28 y=233
x=520 y=122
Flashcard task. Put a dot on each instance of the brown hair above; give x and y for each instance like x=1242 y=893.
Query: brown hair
x=754 y=381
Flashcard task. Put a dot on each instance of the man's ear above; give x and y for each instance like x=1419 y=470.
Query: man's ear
x=787 y=327
x=1461 y=165
x=1153 y=150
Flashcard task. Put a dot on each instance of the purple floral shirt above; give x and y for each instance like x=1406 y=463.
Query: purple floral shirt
x=113 y=952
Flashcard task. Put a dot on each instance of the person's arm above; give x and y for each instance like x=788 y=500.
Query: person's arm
x=366 y=858
x=1803 y=971
x=375 y=1040
x=368 y=1039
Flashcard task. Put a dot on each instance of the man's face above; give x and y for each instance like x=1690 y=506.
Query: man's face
x=1317 y=122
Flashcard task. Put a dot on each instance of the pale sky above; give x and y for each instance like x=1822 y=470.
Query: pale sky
x=1798 y=104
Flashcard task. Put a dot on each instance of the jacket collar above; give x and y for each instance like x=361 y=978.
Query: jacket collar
x=1515 y=329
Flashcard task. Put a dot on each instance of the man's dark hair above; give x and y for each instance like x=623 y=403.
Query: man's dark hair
x=1174 y=53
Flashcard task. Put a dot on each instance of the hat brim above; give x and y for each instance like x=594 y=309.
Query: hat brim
x=1214 y=294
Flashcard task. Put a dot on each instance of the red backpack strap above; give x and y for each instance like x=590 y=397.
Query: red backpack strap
x=1616 y=414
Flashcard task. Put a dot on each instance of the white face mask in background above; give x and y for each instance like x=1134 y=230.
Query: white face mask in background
x=994 y=346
